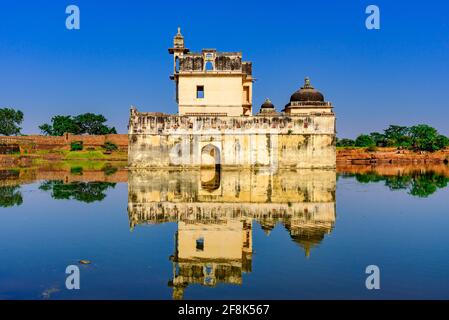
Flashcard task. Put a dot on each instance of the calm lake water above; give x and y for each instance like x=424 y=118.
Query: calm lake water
x=305 y=234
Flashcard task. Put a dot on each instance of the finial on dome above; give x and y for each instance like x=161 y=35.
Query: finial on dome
x=307 y=84
x=179 y=30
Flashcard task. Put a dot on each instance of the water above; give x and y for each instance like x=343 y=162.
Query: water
x=305 y=234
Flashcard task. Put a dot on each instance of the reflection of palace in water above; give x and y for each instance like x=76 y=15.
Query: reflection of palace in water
x=215 y=212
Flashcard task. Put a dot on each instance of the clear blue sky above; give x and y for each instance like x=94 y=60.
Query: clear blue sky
x=396 y=75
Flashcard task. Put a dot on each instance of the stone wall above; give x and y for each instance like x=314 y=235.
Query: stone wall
x=269 y=141
x=390 y=155
x=37 y=142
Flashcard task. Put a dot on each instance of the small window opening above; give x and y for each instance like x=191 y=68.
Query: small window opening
x=200 y=244
x=200 y=92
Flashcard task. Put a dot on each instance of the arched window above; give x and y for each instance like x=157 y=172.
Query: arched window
x=176 y=64
x=209 y=66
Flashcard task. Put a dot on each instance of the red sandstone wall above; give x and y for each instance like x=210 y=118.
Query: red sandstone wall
x=359 y=156
x=37 y=142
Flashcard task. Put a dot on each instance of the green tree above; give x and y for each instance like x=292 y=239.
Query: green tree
x=364 y=140
x=424 y=137
x=10 y=121
x=87 y=123
x=60 y=125
x=379 y=139
x=90 y=123
x=442 y=141
x=397 y=136
x=345 y=142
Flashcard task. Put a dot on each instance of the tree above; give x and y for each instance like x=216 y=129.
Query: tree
x=90 y=123
x=87 y=123
x=442 y=141
x=424 y=137
x=345 y=142
x=397 y=136
x=364 y=140
x=60 y=125
x=379 y=139
x=10 y=121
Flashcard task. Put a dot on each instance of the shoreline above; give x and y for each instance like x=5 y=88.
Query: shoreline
x=390 y=156
x=346 y=156
x=113 y=171
x=23 y=151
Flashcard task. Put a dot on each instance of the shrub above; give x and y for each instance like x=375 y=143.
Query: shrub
x=76 y=171
x=76 y=146
x=364 y=140
x=109 y=169
x=109 y=146
x=345 y=143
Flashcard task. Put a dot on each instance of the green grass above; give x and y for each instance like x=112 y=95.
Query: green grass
x=45 y=152
x=87 y=155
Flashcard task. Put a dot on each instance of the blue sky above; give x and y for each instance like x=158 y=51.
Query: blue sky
x=396 y=75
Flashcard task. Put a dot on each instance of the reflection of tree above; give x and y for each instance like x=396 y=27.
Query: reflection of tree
x=368 y=177
x=425 y=185
x=82 y=191
x=418 y=184
x=109 y=169
x=398 y=182
x=10 y=196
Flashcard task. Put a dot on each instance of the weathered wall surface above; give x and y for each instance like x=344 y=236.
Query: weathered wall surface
x=38 y=142
x=222 y=94
x=276 y=142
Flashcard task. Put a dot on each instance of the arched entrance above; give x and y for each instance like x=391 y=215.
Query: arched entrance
x=210 y=179
x=210 y=157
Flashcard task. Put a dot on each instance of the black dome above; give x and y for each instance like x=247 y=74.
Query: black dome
x=267 y=104
x=267 y=107
x=307 y=93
